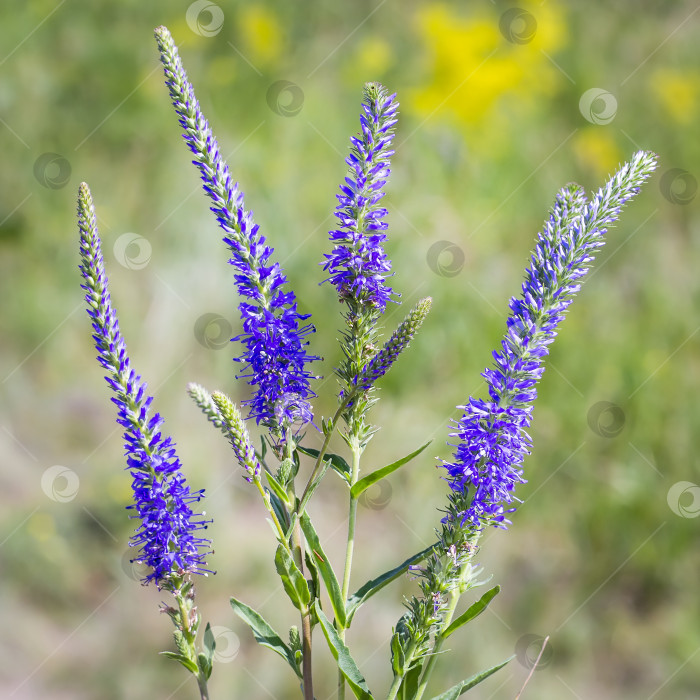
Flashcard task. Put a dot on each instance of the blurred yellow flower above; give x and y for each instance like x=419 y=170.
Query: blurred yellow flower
x=596 y=150
x=262 y=34
x=372 y=58
x=473 y=63
x=678 y=93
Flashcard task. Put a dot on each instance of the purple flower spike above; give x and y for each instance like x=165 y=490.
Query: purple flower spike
x=275 y=355
x=162 y=498
x=358 y=265
x=492 y=437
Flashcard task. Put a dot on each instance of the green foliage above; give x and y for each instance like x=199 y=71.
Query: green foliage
x=264 y=634
x=462 y=687
x=367 y=481
x=472 y=611
x=341 y=654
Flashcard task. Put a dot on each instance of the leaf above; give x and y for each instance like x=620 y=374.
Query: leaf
x=190 y=665
x=409 y=686
x=325 y=568
x=292 y=579
x=277 y=488
x=338 y=464
x=346 y=663
x=398 y=658
x=376 y=584
x=204 y=665
x=263 y=633
x=314 y=584
x=455 y=691
x=205 y=658
x=378 y=475
x=473 y=611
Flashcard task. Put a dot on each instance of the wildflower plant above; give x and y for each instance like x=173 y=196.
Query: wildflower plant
x=490 y=440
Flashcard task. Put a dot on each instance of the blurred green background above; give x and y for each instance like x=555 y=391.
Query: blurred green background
x=501 y=105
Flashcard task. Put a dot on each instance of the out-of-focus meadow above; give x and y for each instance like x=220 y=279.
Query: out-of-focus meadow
x=499 y=108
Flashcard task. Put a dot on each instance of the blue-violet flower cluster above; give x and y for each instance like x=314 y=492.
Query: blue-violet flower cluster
x=162 y=499
x=358 y=265
x=275 y=357
x=492 y=433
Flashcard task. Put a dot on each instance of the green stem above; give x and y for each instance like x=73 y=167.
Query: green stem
x=464 y=573
x=352 y=517
x=398 y=680
x=191 y=638
x=297 y=549
x=319 y=460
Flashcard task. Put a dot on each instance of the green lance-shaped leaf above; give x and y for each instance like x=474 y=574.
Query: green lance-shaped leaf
x=292 y=579
x=411 y=681
x=455 y=691
x=263 y=632
x=398 y=658
x=205 y=658
x=472 y=611
x=367 y=481
x=277 y=488
x=376 y=584
x=338 y=464
x=325 y=569
x=190 y=665
x=400 y=338
x=346 y=664
x=237 y=434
